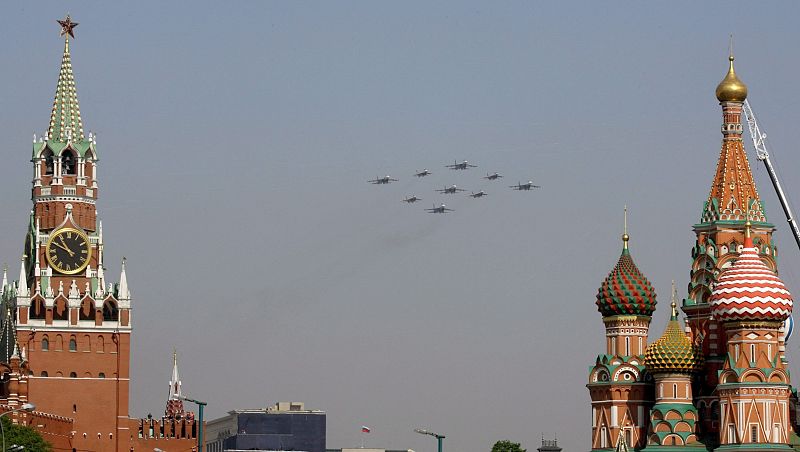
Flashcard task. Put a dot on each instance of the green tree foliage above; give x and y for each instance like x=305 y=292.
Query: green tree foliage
x=24 y=436
x=507 y=446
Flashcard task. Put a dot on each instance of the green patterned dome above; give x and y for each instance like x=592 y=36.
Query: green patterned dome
x=626 y=291
x=673 y=351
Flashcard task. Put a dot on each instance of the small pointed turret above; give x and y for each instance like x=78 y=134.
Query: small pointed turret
x=5 y=279
x=22 y=285
x=174 y=401
x=124 y=292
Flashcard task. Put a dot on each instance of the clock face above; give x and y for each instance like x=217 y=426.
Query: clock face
x=68 y=251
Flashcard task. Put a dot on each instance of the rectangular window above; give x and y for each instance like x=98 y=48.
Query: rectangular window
x=753 y=433
x=752 y=353
x=603 y=442
x=776 y=433
x=731 y=433
x=627 y=346
x=629 y=437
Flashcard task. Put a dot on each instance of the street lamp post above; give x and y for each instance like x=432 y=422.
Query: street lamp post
x=438 y=436
x=25 y=407
x=201 y=405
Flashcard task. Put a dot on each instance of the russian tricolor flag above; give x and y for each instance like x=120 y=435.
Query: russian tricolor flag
x=364 y=429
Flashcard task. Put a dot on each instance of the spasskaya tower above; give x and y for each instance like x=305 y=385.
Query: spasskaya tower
x=73 y=326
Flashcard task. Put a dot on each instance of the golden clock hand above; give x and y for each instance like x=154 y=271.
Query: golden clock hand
x=64 y=246
x=65 y=249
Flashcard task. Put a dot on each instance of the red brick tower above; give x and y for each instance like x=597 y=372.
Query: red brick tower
x=621 y=390
x=74 y=329
x=732 y=201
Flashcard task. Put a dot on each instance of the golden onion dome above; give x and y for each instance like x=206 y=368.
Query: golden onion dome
x=731 y=89
x=673 y=352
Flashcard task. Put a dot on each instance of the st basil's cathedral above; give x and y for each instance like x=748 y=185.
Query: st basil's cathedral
x=719 y=379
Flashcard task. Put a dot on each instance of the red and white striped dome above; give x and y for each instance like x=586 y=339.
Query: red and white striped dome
x=749 y=290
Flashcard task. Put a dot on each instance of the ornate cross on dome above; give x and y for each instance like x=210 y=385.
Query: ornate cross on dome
x=67 y=25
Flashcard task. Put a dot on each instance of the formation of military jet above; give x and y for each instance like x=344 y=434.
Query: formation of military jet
x=382 y=180
x=452 y=189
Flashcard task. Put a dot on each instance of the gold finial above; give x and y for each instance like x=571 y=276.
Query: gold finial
x=625 y=236
x=730 y=47
x=674 y=303
x=731 y=89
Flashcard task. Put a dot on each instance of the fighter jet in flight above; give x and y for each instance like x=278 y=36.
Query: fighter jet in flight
x=461 y=166
x=480 y=194
x=382 y=180
x=450 y=190
x=412 y=199
x=493 y=176
x=526 y=186
x=440 y=209
x=422 y=173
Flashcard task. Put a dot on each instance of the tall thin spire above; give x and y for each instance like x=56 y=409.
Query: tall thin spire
x=174 y=401
x=625 y=236
x=65 y=119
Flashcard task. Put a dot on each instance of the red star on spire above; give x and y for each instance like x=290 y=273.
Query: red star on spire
x=67 y=25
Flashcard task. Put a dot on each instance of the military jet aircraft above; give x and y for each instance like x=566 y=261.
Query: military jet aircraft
x=480 y=194
x=493 y=176
x=450 y=190
x=440 y=209
x=422 y=173
x=382 y=180
x=461 y=166
x=526 y=186
x=412 y=199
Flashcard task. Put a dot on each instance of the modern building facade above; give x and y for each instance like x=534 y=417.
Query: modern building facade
x=719 y=380
x=285 y=426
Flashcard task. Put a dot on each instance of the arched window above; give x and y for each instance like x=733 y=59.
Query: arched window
x=100 y=344
x=674 y=391
x=37 y=309
x=45 y=344
x=59 y=343
x=101 y=375
x=68 y=162
x=73 y=344
x=48 y=162
x=87 y=310
x=44 y=373
x=73 y=375
x=60 y=311
x=627 y=345
x=110 y=311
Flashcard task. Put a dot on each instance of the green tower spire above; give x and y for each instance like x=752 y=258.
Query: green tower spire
x=65 y=119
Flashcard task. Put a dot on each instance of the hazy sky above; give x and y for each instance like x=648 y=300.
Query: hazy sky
x=236 y=140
